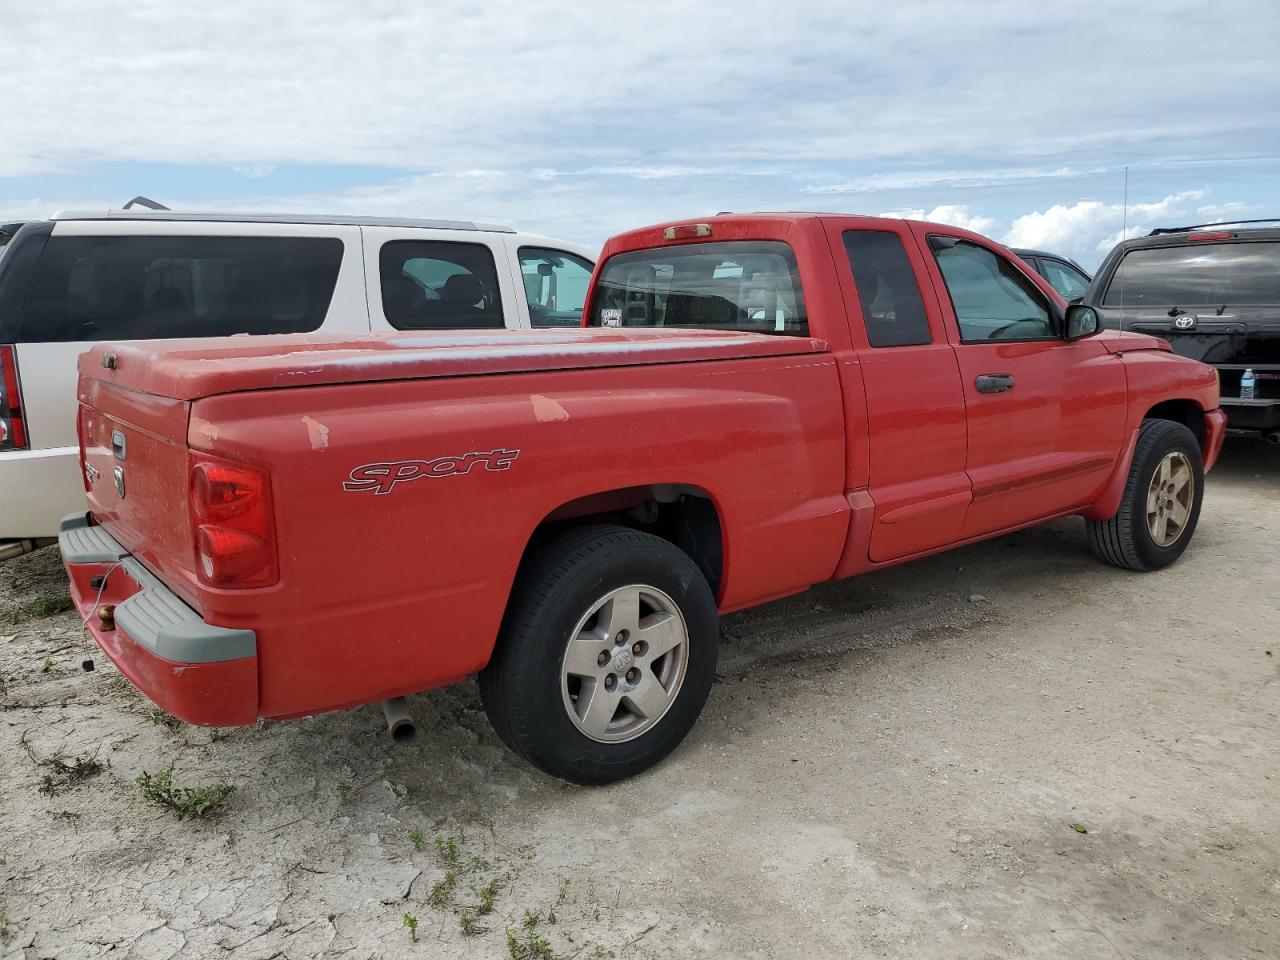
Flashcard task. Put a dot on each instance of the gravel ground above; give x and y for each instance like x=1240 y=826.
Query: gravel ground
x=894 y=766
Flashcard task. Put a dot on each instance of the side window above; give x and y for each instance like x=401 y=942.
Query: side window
x=887 y=289
x=555 y=286
x=439 y=285
x=153 y=287
x=1067 y=280
x=992 y=299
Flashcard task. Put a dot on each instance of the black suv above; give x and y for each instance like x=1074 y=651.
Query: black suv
x=1213 y=291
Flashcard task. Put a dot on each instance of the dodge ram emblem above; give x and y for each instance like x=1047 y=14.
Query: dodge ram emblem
x=1184 y=322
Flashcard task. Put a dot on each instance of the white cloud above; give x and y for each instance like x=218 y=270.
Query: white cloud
x=662 y=85
x=933 y=179
x=1087 y=229
x=953 y=214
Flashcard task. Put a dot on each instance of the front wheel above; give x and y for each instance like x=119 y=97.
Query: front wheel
x=1161 y=502
x=607 y=654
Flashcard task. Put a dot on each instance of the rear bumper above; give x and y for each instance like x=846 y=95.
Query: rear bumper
x=200 y=673
x=1251 y=414
x=1215 y=429
x=39 y=487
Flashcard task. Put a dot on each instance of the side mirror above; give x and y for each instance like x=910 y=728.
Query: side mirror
x=1082 y=321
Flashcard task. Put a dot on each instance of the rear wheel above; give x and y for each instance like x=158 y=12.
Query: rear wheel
x=1161 y=502
x=607 y=654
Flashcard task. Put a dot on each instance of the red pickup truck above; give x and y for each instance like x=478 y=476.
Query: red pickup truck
x=288 y=525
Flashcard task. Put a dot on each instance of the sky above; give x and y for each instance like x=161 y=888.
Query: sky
x=580 y=120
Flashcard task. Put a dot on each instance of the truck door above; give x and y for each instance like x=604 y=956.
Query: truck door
x=915 y=403
x=1046 y=416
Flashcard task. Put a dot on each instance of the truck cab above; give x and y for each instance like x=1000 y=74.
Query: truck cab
x=971 y=408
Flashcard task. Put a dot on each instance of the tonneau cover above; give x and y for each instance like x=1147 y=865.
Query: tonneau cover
x=191 y=369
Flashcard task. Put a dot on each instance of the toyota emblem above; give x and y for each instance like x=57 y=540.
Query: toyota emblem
x=1184 y=322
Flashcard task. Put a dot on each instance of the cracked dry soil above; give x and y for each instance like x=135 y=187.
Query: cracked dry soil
x=889 y=767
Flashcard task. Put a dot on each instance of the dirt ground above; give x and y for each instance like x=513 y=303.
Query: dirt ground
x=889 y=767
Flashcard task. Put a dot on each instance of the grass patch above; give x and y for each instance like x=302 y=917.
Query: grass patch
x=38 y=607
x=528 y=944
x=184 y=801
x=61 y=773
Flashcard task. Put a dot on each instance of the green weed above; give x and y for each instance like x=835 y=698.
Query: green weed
x=442 y=890
x=184 y=801
x=447 y=848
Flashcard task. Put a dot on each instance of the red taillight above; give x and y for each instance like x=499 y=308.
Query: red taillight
x=687 y=231
x=13 y=432
x=231 y=517
x=1213 y=235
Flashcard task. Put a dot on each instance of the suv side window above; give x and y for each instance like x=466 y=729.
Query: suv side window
x=887 y=289
x=439 y=285
x=1064 y=278
x=555 y=286
x=151 y=287
x=992 y=298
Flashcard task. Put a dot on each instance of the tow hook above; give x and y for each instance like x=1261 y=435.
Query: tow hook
x=399 y=723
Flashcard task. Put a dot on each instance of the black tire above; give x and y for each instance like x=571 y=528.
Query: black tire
x=558 y=584
x=1125 y=540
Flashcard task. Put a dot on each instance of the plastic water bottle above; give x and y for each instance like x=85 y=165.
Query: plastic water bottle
x=1247 y=385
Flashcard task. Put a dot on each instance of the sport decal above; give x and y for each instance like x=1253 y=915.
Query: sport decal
x=381 y=477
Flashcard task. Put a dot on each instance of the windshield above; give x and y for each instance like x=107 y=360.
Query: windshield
x=1198 y=274
x=750 y=285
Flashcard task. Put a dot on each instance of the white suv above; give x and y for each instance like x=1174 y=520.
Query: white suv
x=79 y=278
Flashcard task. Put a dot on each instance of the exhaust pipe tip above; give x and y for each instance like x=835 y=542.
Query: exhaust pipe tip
x=1272 y=438
x=399 y=723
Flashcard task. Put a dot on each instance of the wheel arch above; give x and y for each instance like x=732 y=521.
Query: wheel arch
x=686 y=515
x=1180 y=410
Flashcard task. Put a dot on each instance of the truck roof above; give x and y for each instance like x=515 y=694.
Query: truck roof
x=191 y=369
x=323 y=219
x=739 y=226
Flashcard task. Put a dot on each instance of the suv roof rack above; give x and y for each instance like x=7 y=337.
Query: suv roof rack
x=1158 y=231
x=282 y=218
x=141 y=201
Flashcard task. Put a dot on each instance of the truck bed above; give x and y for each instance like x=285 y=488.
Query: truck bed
x=191 y=369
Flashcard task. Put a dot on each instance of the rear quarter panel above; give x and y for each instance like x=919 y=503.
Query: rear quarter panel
x=386 y=594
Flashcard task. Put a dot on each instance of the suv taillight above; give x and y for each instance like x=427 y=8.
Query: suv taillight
x=13 y=431
x=231 y=519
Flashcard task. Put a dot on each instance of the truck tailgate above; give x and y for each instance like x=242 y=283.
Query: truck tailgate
x=136 y=476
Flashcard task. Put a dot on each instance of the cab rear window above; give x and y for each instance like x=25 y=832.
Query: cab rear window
x=748 y=285
x=1197 y=274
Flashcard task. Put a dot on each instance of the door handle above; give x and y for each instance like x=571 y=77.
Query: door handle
x=993 y=382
